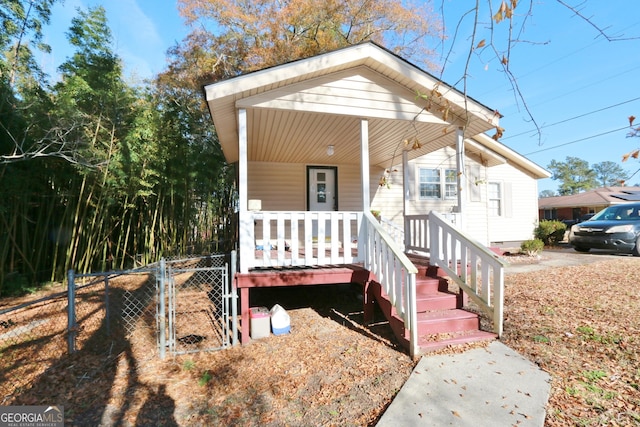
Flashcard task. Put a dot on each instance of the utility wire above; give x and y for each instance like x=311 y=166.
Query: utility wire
x=573 y=118
x=577 y=140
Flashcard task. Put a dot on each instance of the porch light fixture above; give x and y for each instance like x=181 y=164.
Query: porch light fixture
x=330 y=150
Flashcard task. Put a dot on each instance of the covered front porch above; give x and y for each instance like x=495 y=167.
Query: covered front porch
x=376 y=261
x=348 y=115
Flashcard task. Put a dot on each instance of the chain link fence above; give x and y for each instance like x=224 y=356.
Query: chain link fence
x=201 y=309
x=112 y=310
x=32 y=338
x=184 y=305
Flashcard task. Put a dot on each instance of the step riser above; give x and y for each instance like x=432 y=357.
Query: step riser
x=429 y=271
x=429 y=346
x=434 y=271
x=426 y=285
x=432 y=302
x=436 y=326
x=450 y=302
x=448 y=325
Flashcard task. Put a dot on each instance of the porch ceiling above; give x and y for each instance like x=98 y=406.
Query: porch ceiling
x=302 y=137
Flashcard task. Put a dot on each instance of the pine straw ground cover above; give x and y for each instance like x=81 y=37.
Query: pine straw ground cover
x=580 y=324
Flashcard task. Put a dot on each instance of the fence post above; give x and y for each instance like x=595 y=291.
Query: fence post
x=71 y=312
x=106 y=305
x=162 y=308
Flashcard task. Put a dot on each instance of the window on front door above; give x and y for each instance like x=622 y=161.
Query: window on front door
x=437 y=183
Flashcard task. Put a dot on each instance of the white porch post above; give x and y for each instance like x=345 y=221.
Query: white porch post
x=461 y=180
x=364 y=174
x=364 y=156
x=406 y=194
x=246 y=231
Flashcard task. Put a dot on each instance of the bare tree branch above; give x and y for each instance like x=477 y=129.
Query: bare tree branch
x=58 y=142
x=500 y=42
x=589 y=20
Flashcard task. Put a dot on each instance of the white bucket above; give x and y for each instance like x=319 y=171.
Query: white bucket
x=280 y=320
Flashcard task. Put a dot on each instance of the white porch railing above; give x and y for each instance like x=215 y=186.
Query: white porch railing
x=394 y=231
x=416 y=231
x=475 y=269
x=395 y=273
x=277 y=239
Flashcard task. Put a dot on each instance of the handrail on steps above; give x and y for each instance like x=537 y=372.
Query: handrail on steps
x=473 y=267
x=394 y=271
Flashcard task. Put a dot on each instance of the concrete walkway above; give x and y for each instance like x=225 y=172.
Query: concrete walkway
x=562 y=256
x=492 y=386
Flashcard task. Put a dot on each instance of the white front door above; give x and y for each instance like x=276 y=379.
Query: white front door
x=322 y=189
x=322 y=196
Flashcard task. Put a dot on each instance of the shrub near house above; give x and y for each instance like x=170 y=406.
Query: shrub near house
x=550 y=232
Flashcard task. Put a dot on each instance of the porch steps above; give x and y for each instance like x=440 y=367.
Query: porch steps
x=442 y=322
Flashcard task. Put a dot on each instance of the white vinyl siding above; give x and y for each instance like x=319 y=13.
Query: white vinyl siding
x=283 y=186
x=279 y=186
x=359 y=92
x=518 y=209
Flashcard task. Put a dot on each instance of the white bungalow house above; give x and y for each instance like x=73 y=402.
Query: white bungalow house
x=314 y=139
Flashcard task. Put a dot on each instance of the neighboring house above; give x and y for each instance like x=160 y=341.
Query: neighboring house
x=572 y=207
x=314 y=139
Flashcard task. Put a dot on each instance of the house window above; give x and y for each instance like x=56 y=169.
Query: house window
x=434 y=183
x=495 y=199
x=450 y=183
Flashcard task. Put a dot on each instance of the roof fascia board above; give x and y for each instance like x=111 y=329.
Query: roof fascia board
x=485 y=151
x=511 y=155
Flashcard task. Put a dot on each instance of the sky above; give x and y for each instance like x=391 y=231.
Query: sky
x=579 y=87
x=142 y=31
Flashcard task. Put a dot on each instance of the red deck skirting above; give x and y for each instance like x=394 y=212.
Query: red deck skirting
x=265 y=278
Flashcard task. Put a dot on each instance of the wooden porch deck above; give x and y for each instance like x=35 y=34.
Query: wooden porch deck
x=441 y=319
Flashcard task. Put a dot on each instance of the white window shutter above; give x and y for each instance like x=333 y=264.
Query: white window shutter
x=475 y=183
x=507 y=200
x=412 y=180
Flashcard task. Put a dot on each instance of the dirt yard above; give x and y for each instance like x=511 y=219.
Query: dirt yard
x=579 y=323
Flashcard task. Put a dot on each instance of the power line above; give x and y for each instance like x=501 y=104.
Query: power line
x=574 y=118
x=577 y=140
x=582 y=88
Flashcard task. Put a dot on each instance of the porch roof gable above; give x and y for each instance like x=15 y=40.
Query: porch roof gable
x=296 y=109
